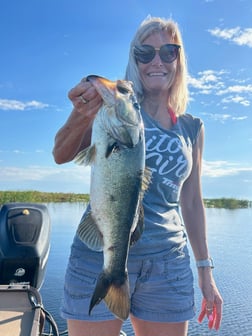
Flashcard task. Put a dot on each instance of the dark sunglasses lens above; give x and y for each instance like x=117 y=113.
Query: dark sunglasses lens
x=168 y=53
x=144 y=53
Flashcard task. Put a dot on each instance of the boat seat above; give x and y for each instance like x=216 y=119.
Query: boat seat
x=20 y=312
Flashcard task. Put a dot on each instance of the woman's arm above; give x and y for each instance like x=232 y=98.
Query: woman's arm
x=75 y=134
x=192 y=205
x=193 y=213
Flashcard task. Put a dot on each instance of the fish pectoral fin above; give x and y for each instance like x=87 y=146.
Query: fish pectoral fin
x=115 y=292
x=139 y=227
x=89 y=233
x=111 y=149
x=86 y=157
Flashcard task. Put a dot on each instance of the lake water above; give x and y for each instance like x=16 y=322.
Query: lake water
x=229 y=236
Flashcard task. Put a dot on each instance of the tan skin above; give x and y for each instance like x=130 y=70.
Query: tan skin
x=156 y=77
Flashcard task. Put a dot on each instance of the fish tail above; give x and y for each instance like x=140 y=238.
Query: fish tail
x=115 y=293
x=118 y=301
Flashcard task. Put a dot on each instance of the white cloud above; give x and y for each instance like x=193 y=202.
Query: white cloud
x=237 y=35
x=222 y=118
x=217 y=83
x=209 y=76
x=9 y=104
x=236 y=89
x=223 y=168
x=218 y=117
x=207 y=81
x=21 y=152
x=39 y=173
x=68 y=177
x=17 y=151
x=240 y=118
x=236 y=99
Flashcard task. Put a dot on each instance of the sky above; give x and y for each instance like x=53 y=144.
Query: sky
x=48 y=46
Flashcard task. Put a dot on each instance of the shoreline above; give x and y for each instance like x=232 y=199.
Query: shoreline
x=34 y=196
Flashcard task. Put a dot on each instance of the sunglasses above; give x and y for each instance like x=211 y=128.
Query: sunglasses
x=145 y=53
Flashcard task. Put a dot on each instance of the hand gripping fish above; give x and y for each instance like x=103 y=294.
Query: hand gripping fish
x=118 y=181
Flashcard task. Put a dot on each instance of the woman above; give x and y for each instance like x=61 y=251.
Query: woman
x=161 y=280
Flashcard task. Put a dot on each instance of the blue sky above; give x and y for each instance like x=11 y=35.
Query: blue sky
x=47 y=46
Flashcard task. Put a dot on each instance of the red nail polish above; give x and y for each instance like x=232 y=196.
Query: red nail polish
x=210 y=318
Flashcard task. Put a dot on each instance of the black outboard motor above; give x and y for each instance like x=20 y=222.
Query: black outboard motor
x=24 y=243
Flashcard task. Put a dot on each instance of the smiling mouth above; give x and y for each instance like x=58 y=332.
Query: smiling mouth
x=156 y=74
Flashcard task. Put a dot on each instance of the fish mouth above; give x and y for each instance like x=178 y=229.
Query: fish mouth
x=118 y=96
x=108 y=89
x=104 y=87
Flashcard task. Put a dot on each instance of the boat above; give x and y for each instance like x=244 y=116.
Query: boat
x=25 y=230
x=24 y=249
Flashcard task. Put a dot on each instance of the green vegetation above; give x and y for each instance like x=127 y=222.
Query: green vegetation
x=45 y=197
x=33 y=196
x=227 y=203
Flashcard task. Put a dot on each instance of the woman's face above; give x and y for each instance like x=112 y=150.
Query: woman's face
x=157 y=76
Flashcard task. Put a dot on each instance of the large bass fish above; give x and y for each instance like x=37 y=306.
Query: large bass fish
x=118 y=181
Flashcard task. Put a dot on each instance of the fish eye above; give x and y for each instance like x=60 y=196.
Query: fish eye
x=122 y=89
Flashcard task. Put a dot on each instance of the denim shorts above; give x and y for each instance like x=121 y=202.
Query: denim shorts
x=161 y=286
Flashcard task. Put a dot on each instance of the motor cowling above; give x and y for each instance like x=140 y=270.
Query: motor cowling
x=24 y=243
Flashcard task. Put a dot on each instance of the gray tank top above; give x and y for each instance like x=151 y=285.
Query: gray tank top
x=169 y=156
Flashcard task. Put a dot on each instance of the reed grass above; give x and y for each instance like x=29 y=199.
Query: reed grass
x=227 y=203
x=33 y=196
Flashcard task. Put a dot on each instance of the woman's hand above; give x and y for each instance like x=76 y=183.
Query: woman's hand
x=85 y=99
x=75 y=134
x=212 y=301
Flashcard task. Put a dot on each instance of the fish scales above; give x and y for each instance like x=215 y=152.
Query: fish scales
x=118 y=180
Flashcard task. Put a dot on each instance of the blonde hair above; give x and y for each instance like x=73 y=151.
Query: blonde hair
x=178 y=93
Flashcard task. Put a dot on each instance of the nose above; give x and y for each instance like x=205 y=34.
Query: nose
x=157 y=60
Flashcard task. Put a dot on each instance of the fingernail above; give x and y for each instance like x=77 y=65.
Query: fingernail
x=210 y=318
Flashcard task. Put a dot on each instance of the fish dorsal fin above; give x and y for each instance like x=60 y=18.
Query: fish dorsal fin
x=140 y=211
x=86 y=156
x=89 y=233
x=146 y=178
